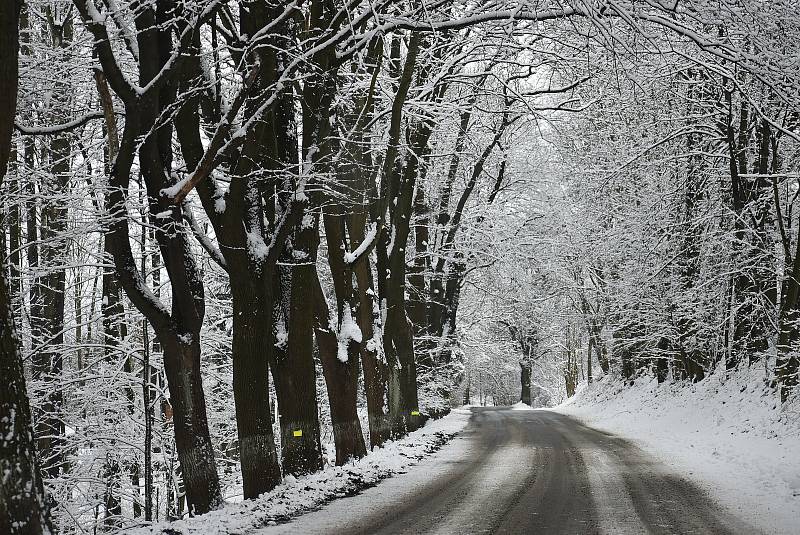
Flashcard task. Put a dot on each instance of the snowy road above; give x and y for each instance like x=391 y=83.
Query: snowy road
x=527 y=472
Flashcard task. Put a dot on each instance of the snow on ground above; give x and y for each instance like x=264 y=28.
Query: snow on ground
x=298 y=495
x=520 y=406
x=728 y=433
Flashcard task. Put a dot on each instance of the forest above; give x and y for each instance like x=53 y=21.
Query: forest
x=247 y=239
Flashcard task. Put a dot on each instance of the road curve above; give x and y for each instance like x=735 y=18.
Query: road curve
x=527 y=472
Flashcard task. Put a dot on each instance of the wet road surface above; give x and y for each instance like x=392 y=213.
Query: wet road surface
x=527 y=472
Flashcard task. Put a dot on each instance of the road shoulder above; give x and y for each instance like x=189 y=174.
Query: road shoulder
x=297 y=496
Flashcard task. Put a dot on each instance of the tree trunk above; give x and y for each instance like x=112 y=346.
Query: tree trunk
x=178 y=326
x=369 y=317
x=15 y=237
x=589 y=361
x=397 y=189
x=341 y=379
x=571 y=366
x=399 y=344
x=147 y=402
x=294 y=373
x=787 y=365
x=114 y=331
x=252 y=327
x=48 y=298
x=601 y=351
x=570 y=377
x=398 y=332
x=22 y=501
x=752 y=231
x=525 y=376
x=192 y=439
x=292 y=365
x=250 y=283
x=417 y=304
x=23 y=509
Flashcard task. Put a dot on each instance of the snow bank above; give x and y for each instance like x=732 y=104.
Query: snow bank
x=728 y=433
x=298 y=495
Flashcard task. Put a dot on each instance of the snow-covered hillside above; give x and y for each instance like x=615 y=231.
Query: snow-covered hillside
x=728 y=433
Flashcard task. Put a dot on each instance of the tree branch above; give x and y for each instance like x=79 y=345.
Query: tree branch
x=59 y=128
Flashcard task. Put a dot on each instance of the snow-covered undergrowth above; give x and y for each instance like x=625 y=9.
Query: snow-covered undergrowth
x=728 y=433
x=298 y=495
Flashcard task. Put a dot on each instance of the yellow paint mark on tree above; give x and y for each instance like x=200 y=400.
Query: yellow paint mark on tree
x=298 y=433
x=414 y=413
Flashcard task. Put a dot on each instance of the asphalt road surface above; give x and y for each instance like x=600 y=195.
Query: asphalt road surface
x=527 y=472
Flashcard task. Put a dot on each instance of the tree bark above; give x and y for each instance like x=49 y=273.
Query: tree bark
x=294 y=373
x=23 y=509
x=252 y=320
x=178 y=329
x=47 y=292
x=525 y=376
x=192 y=439
x=358 y=169
x=751 y=325
x=369 y=321
x=417 y=304
x=340 y=364
x=397 y=189
x=250 y=278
